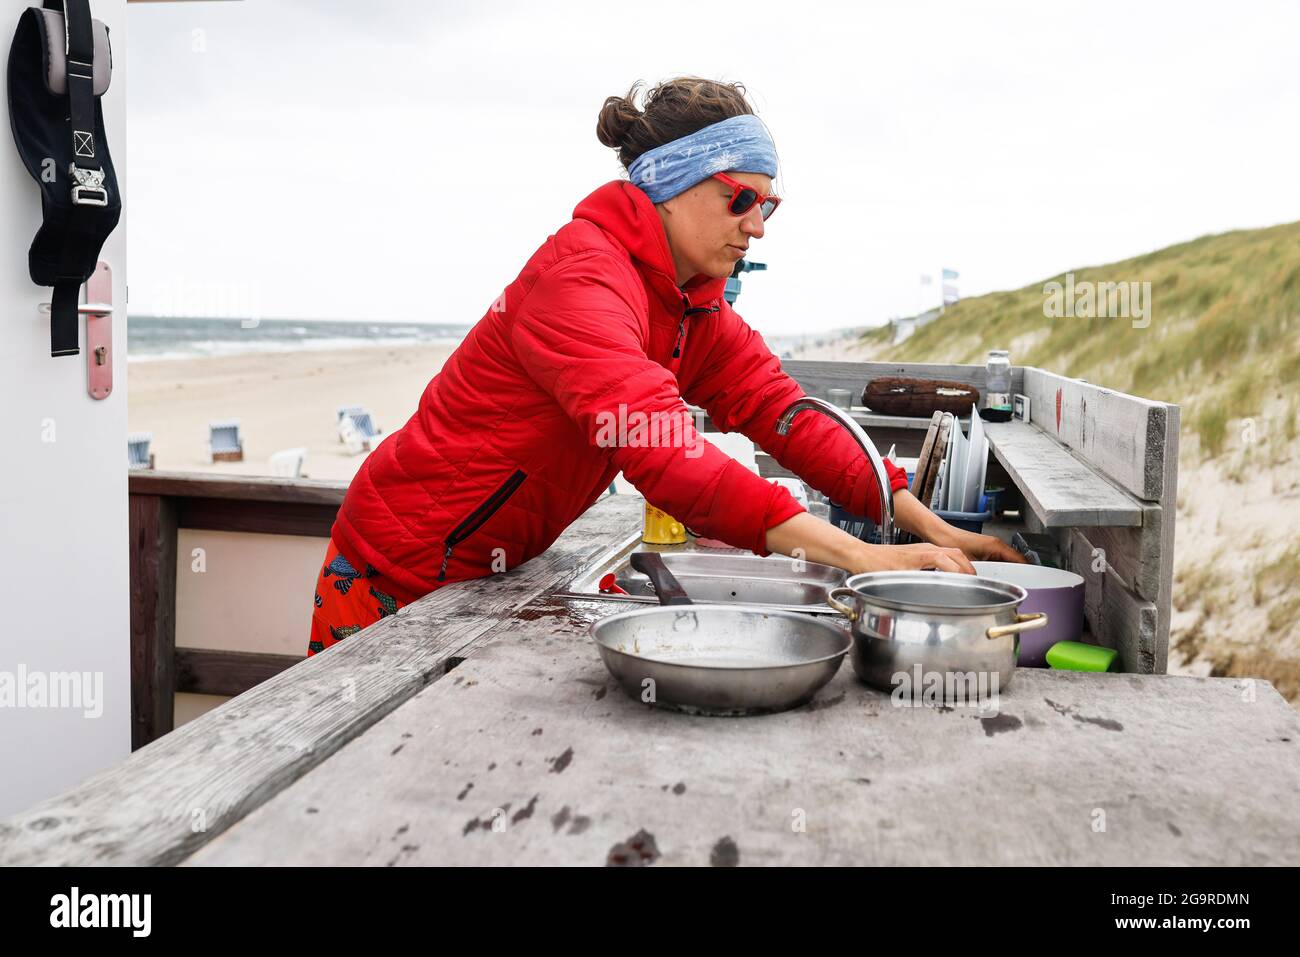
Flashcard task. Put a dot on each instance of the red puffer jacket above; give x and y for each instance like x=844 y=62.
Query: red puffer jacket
x=517 y=435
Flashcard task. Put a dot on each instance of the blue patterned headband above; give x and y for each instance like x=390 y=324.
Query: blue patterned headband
x=741 y=144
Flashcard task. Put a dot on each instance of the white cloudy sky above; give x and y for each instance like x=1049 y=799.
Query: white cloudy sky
x=397 y=159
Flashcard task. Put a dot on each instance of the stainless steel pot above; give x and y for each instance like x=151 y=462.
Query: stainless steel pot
x=923 y=626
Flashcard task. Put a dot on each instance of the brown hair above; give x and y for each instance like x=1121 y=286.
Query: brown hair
x=673 y=109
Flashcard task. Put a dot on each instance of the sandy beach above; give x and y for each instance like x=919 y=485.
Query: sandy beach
x=282 y=400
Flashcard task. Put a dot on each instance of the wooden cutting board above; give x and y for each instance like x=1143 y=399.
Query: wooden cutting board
x=924 y=465
x=936 y=457
x=923 y=460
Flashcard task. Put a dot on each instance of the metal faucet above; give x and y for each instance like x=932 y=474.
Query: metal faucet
x=887 y=531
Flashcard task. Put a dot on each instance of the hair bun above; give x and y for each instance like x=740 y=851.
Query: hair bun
x=671 y=110
x=617 y=116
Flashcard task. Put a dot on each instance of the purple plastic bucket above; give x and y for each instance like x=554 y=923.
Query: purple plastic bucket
x=1052 y=590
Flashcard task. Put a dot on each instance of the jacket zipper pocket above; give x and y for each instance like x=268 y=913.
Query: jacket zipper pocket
x=480 y=515
x=687 y=310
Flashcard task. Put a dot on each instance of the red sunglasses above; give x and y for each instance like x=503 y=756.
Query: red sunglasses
x=744 y=197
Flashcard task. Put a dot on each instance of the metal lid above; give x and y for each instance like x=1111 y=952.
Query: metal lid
x=944 y=593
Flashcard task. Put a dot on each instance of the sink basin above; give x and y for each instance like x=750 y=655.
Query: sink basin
x=727 y=576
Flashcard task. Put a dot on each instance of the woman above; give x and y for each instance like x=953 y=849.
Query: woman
x=616 y=319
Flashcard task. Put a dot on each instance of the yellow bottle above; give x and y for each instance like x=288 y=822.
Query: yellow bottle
x=661 y=528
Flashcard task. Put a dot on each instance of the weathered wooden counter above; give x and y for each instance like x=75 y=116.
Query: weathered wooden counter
x=479 y=726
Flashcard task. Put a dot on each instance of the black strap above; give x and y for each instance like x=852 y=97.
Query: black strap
x=65 y=330
x=79 y=41
x=81 y=78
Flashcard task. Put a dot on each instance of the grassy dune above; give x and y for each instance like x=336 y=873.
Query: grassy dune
x=1224 y=343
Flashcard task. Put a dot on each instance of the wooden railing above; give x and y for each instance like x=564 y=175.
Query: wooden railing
x=161 y=503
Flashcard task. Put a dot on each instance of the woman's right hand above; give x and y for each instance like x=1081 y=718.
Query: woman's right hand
x=885 y=558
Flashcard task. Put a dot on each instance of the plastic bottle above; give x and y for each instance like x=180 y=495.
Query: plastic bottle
x=997 y=386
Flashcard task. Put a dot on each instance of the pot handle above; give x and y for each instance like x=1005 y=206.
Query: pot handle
x=847 y=611
x=1022 y=623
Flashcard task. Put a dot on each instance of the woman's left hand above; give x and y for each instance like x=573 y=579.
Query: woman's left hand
x=914 y=517
x=984 y=548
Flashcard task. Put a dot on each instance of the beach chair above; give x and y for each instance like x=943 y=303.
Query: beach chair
x=357 y=430
x=138 y=455
x=287 y=463
x=364 y=424
x=341 y=412
x=351 y=436
x=224 y=443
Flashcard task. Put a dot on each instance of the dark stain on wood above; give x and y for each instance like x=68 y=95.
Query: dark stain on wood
x=525 y=812
x=637 y=851
x=577 y=822
x=1000 y=723
x=1067 y=709
x=563 y=761
x=725 y=853
x=533 y=613
x=1108 y=723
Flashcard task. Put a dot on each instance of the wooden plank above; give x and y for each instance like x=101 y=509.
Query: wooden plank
x=1117 y=617
x=314 y=519
x=1169 y=509
x=1134 y=554
x=1124 y=437
x=243 y=487
x=209 y=671
x=174 y=795
x=151 y=556
x=1062 y=489
x=816 y=376
x=530 y=754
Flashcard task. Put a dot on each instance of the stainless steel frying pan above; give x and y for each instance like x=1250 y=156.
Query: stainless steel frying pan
x=717 y=659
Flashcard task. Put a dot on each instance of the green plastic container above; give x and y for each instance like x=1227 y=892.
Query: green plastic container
x=1077 y=656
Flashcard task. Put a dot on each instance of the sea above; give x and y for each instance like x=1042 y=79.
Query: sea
x=164 y=337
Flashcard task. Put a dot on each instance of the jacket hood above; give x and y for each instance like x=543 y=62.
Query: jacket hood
x=626 y=212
